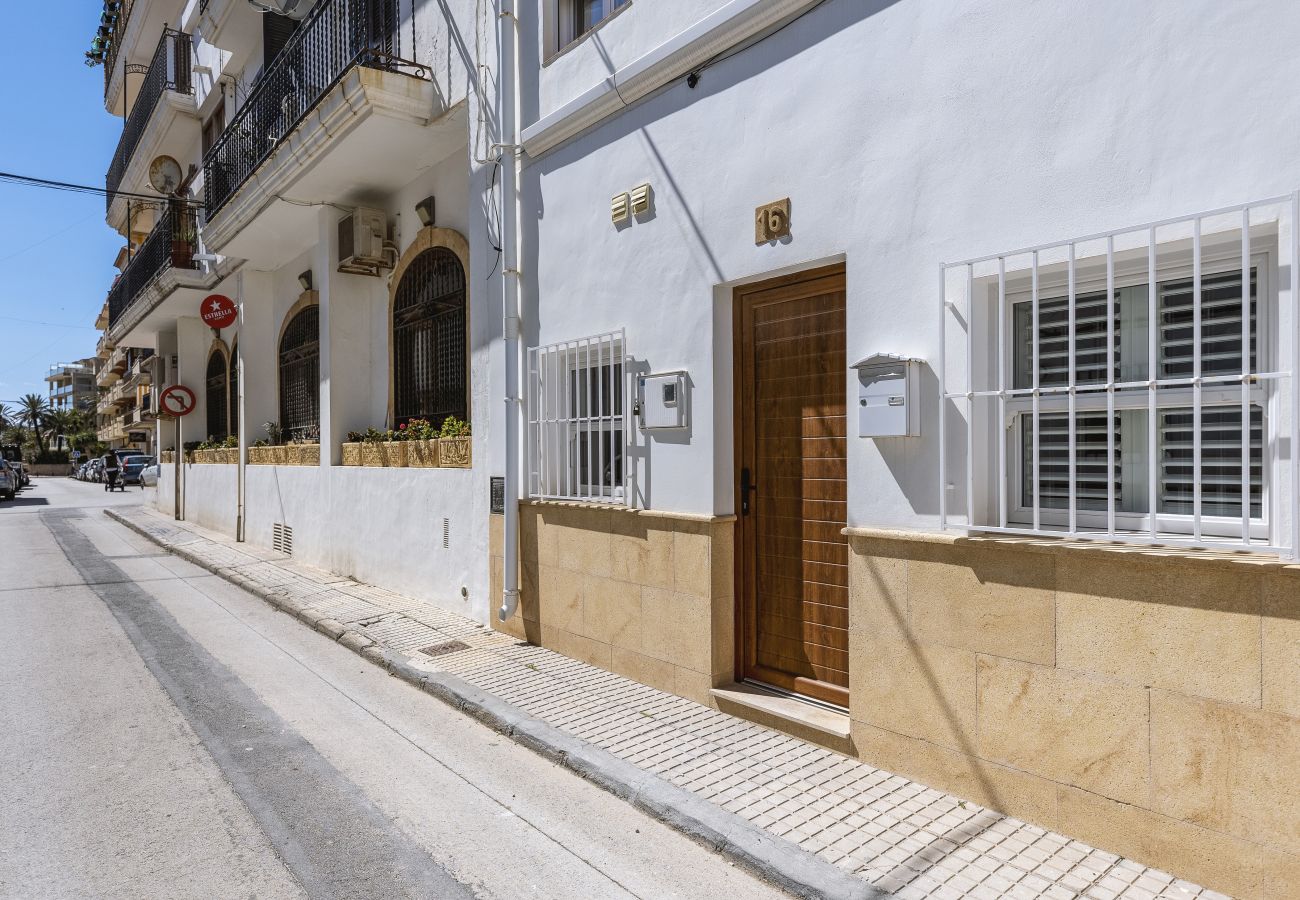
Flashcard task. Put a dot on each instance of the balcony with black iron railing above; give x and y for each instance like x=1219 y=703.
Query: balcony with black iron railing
x=336 y=36
x=121 y=17
x=171 y=245
x=170 y=70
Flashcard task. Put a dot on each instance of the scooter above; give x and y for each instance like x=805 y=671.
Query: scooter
x=113 y=480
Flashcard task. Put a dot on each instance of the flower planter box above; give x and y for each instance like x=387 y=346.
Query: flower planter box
x=454 y=452
x=352 y=454
x=389 y=454
x=422 y=454
x=220 y=456
x=268 y=456
x=166 y=457
x=303 y=455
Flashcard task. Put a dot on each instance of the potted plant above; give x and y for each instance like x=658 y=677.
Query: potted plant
x=301 y=454
x=304 y=449
x=454 y=444
x=421 y=444
x=271 y=451
x=352 y=449
x=384 y=448
x=185 y=238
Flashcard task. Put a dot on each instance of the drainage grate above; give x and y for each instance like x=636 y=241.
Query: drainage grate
x=282 y=538
x=445 y=648
x=446 y=534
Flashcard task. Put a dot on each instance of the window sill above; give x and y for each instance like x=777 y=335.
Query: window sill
x=1233 y=559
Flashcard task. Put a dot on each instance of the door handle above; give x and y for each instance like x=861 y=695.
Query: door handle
x=746 y=486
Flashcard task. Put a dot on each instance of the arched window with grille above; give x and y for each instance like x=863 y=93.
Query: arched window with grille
x=300 y=376
x=217 y=402
x=234 y=387
x=429 y=353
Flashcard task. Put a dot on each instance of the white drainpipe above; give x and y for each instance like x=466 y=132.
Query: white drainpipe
x=242 y=460
x=507 y=106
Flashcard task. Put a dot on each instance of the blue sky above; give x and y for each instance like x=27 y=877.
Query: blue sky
x=56 y=253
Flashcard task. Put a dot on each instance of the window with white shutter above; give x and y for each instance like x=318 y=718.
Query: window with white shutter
x=1221 y=426
x=1135 y=385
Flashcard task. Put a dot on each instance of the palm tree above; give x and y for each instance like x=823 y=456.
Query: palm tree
x=6 y=416
x=61 y=422
x=34 y=411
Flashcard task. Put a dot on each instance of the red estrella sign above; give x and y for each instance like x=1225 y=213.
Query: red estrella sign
x=177 y=400
x=217 y=311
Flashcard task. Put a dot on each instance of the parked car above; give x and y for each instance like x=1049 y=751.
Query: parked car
x=21 y=474
x=132 y=466
x=96 y=471
x=8 y=481
x=149 y=475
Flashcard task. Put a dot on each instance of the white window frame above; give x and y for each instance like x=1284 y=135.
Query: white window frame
x=1217 y=262
x=977 y=299
x=560 y=31
x=565 y=409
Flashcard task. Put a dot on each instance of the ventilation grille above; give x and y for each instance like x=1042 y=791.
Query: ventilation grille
x=446 y=534
x=282 y=538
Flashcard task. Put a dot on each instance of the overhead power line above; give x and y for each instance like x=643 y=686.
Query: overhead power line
x=32 y=181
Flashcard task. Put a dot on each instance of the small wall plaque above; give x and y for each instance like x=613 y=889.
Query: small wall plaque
x=772 y=221
x=620 y=208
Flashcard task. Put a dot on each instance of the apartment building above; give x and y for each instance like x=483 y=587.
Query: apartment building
x=72 y=385
x=915 y=378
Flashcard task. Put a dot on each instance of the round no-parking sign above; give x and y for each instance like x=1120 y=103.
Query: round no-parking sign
x=177 y=400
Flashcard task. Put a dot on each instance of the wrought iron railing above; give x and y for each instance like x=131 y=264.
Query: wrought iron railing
x=169 y=71
x=335 y=36
x=171 y=244
x=116 y=33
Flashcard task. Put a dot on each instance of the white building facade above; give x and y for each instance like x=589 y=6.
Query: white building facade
x=899 y=358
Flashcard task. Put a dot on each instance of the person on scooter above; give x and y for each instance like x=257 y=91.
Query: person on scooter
x=112 y=470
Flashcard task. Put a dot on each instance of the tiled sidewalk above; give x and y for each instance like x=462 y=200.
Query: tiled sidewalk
x=896 y=834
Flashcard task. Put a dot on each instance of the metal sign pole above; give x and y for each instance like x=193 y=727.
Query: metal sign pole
x=176 y=471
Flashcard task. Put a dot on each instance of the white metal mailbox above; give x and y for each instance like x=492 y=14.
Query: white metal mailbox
x=663 y=400
x=888 y=396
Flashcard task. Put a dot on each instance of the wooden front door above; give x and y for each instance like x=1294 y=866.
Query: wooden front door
x=791 y=491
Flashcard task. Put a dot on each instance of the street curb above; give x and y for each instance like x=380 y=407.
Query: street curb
x=771 y=858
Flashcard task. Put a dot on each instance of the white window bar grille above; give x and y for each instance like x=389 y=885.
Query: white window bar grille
x=1136 y=385
x=577 y=419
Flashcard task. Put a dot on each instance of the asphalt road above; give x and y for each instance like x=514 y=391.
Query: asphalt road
x=165 y=734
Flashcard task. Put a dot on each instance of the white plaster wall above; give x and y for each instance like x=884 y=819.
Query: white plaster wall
x=631 y=32
x=208 y=496
x=905 y=133
x=380 y=526
x=162 y=497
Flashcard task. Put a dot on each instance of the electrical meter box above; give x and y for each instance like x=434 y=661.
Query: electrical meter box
x=662 y=398
x=888 y=396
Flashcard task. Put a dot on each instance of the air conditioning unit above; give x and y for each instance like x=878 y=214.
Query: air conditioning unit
x=361 y=241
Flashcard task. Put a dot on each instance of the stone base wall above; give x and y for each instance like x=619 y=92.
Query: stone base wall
x=645 y=594
x=1147 y=702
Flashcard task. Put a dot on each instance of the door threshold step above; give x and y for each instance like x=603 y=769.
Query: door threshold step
x=831 y=724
